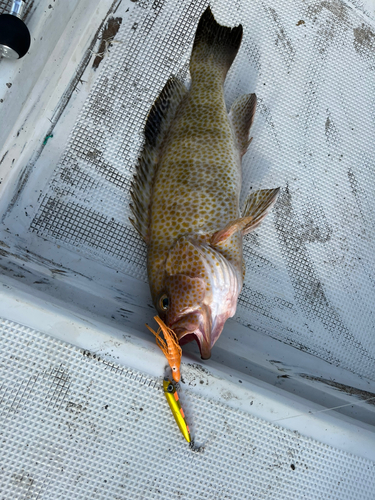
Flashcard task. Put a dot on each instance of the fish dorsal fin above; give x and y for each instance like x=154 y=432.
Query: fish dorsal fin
x=157 y=125
x=257 y=206
x=241 y=116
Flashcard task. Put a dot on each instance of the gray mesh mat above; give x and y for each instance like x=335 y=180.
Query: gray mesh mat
x=310 y=267
x=77 y=427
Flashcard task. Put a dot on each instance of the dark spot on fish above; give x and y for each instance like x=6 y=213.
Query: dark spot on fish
x=300 y=22
x=293 y=467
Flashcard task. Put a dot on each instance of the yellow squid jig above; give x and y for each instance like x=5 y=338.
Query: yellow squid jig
x=175 y=406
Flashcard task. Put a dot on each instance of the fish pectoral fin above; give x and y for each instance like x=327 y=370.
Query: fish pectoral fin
x=257 y=206
x=231 y=228
x=157 y=125
x=241 y=116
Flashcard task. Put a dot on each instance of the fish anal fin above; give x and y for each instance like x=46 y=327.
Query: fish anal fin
x=258 y=205
x=241 y=116
x=158 y=123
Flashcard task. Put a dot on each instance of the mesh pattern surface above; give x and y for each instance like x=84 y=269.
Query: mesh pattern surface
x=5 y=6
x=74 y=426
x=310 y=269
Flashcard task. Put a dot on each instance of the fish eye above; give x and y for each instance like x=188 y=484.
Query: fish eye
x=174 y=368
x=170 y=388
x=164 y=302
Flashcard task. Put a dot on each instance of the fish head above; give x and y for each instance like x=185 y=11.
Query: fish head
x=199 y=293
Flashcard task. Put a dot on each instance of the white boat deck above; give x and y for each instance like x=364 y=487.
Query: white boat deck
x=285 y=408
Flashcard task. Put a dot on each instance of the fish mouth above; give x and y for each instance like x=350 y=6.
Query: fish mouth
x=196 y=326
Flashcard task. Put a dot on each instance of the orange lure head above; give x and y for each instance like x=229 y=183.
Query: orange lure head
x=170 y=347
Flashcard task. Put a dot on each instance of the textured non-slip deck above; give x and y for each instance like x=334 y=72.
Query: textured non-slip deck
x=310 y=267
x=73 y=426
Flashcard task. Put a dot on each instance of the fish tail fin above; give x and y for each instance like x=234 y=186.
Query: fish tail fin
x=215 y=46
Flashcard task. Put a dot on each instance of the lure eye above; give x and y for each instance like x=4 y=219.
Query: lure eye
x=164 y=302
x=170 y=388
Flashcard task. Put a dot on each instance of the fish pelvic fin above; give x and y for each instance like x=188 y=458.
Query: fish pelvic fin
x=215 y=44
x=156 y=129
x=257 y=206
x=241 y=116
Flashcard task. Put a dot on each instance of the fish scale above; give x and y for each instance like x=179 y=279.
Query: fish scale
x=186 y=192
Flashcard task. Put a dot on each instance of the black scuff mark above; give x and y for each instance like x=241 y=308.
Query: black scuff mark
x=308 y=290
x=265 y=111
x=356 y=192
x=282 y=42
x=58 y=271
x=332 y=22
x=257 y=301
x=364 y=40
x=330 y=131
x=54 y=267
x=367 y=396
x=3 y=157
x=60 y=108
x=252 y=52
x=335 y=7
x=107 y=37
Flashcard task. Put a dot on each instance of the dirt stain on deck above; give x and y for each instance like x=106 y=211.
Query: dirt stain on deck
x=108 y=35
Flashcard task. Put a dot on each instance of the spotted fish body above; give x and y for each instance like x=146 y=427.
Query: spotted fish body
x=186 y=192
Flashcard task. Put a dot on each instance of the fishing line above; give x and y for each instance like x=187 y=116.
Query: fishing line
x=324 y=410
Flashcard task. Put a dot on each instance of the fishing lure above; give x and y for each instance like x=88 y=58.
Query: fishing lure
x=170 y=347
x=175 y=406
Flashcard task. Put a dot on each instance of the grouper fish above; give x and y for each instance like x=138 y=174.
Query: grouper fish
x=186 y=191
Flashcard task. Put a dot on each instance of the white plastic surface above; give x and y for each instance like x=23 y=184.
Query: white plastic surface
x=91 y=429
x=310 y=266
x=68 y=150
